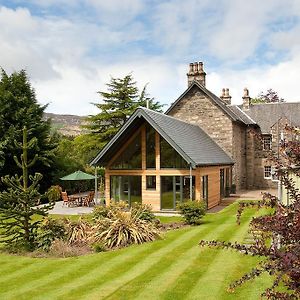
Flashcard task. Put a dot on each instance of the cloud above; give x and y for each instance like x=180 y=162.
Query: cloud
x=70 y=48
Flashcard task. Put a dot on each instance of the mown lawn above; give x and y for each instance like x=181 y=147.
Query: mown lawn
x=172 y=268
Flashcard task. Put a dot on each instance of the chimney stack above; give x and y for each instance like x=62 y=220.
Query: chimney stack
x=196 y=73
x=246 y=99
x=226 y=98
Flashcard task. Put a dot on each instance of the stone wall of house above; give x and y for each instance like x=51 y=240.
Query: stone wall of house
x=197 y=108
x=239 y=134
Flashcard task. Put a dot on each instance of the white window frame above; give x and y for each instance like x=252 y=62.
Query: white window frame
x=270 y=171
x=267 y=140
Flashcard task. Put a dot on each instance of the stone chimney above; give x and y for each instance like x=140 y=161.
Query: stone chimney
x=246 y=99
x=196 y=73
x=226 y=98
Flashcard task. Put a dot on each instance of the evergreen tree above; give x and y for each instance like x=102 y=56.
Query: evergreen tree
x=20 y=202
x=19 y=108
x=119 y=101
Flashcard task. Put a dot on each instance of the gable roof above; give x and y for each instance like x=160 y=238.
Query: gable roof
x=218 y=102
x=267 y=114
x=190 y=141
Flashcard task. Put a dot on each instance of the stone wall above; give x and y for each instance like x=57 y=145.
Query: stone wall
x=197 y=108
x=239 y=155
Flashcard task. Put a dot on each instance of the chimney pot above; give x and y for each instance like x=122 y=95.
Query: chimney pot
x=226 y=98
x=246 y=99
x=196 y=73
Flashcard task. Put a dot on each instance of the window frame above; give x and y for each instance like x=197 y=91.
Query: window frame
x=267 y=142
x=265 y=172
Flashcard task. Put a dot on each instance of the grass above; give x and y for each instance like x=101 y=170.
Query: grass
x=172 y=268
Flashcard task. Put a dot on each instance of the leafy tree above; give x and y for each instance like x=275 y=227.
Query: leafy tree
x=119 y=102
x=277 y=235
x=270 y=96
x=20 y=202
x=19 y=108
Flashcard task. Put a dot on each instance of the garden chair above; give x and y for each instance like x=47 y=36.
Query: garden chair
x=87 y=201
x=68 y=200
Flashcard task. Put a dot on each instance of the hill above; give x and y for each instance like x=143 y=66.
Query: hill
x=69 y=125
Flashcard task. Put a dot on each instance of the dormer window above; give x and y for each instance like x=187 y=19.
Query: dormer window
x=267 y=142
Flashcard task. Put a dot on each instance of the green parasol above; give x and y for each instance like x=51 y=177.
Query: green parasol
x=78 y=175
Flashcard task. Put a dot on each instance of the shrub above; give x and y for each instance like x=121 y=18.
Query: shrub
x=50 y=229
x=143 y=212
x=54 y=193
x=192 y=211
x=124 y=229
x=109 y=211
x=79 y=232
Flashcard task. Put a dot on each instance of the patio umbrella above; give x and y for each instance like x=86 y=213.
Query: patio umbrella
x=78 y=175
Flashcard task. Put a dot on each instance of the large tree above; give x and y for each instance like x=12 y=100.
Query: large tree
x=270 y=96
x=19 y=203
x=19 y=108
x=118 y=103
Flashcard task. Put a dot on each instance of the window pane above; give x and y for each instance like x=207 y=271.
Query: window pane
x=131 y=157
x=150 y=147
x=167 y=192
x=267 y=171
x=169 y=157
x=151 y=182
x=267 y=142
x=126 y=188
x=135 y=189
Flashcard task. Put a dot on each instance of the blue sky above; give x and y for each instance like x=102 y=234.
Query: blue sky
x=70 y=48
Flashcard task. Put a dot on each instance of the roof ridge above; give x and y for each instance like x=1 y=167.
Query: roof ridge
x=176 y=119
x=245 y=114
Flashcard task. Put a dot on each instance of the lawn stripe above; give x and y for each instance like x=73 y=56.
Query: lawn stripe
x=217 y=281
x=118 y=276
x=163 y=272
x=89 y=275
x=190 y=277
x=155 y=265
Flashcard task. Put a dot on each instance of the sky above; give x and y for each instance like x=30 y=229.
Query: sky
x=71 y=48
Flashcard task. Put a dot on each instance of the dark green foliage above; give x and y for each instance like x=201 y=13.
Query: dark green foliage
x=99 y=247
x=19 y=203
x=192 y=211
x=143 y=212
x=118 y=103
x=54 y=193
x=49 y=230
x=19 y=108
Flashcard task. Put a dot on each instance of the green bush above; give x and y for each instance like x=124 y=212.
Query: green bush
x=49 y=230
x=99 y=247
x=192 y=211
x=143 y=212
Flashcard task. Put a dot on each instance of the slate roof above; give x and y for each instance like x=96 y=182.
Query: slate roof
x=190 y=141
x=226 y=109
x=267 y=114
x=246 y=119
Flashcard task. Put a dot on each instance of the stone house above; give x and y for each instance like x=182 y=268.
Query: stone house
x=196 y=150
x=233 y=127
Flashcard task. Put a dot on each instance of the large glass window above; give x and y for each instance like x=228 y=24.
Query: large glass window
x=131 y=157
x=175 y=190
x=150 y=147
x=169 y=157
x=126 y=188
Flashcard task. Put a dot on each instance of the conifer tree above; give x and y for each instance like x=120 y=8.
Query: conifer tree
x=119 y=102
x=19 y=203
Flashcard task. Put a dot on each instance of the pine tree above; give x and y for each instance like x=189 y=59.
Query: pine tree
x=119 y=101
x=19 y=108
x=19 y=203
